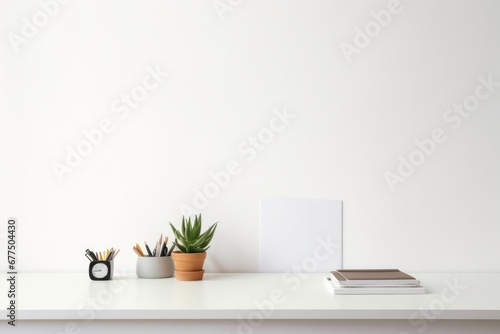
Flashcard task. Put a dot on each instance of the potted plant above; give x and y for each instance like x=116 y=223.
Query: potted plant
x=192 y=245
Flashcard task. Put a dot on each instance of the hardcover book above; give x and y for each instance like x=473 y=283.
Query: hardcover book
x=336 y=289
x=352 y=277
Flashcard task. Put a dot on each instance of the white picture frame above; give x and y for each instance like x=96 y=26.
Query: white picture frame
x=300 y=235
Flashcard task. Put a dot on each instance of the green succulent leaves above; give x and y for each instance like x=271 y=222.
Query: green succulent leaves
x=190 y=239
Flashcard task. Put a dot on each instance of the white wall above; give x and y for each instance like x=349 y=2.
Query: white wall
x=228 y=74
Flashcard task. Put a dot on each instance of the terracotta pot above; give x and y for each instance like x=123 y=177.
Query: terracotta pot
x=189 y=266
x=189 y=275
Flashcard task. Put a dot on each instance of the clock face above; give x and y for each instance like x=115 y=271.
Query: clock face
x=99 y=270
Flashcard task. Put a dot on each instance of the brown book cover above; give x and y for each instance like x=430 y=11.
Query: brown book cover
x=374 y=274
x=373 y=277
x=338 y=276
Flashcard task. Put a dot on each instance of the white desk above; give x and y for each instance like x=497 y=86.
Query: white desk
x=245 y=303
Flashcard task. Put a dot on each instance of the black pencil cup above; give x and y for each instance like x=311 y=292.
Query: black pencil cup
x=101 y=270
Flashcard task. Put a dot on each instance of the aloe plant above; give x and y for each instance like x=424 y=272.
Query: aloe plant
x=190 y=239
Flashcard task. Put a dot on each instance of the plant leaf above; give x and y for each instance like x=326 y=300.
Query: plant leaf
x=183 y=226
x=197 y=226
x=190 y=239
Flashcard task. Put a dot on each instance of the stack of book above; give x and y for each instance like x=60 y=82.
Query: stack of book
x=372 y=282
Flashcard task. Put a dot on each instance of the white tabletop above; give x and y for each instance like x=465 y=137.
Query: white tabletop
x=247 y=295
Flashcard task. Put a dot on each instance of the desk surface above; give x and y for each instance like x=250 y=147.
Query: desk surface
x=247 y=295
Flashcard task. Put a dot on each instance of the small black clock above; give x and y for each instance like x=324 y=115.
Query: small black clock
x=101 y=270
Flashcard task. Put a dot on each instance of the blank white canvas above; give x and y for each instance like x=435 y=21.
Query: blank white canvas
x=300 y=235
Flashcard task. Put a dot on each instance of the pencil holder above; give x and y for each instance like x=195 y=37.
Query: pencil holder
x=154 y=267
x=101 y=270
